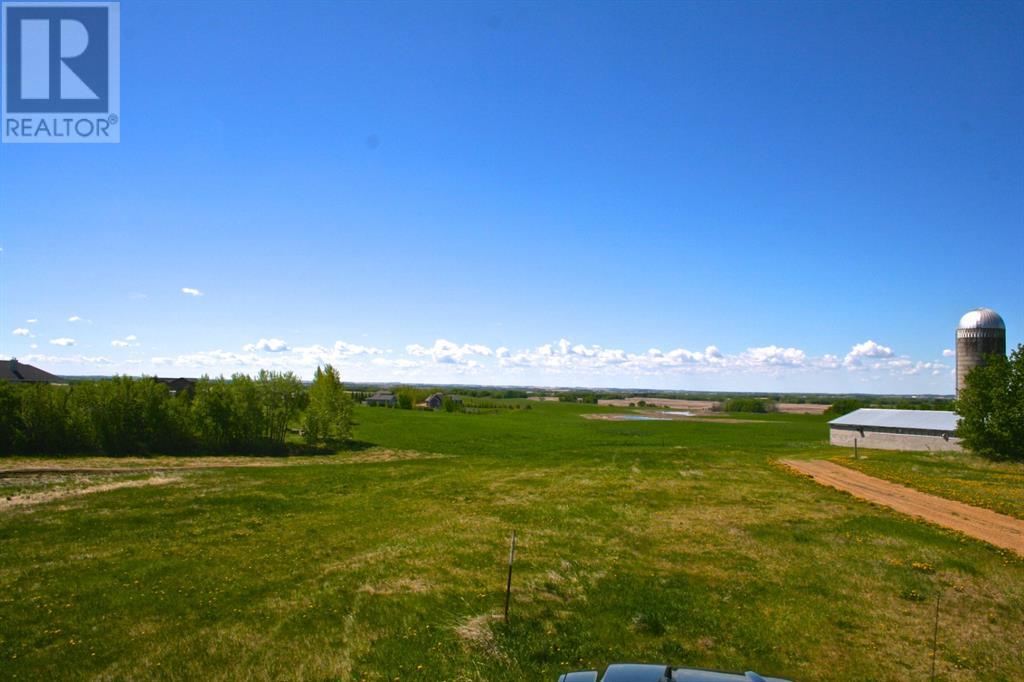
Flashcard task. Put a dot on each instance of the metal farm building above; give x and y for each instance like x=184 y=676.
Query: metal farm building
x=896 y=430
x=981 y=333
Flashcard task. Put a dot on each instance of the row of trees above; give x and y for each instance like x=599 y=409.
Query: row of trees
x=758 y=405
x=123 y=415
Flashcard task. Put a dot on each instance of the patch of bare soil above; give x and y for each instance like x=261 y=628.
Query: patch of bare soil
x=477 y=632
x=385 y=455
x=398 y=586
x=164 y=465
x=801 y=408
x=691 y=405
x=50 y=495
x=708 y=406
x=666 y=416
x=708 y=418
x=984 y=524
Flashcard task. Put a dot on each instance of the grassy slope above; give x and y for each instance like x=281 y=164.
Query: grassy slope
x=661 y=541
x=958 y=476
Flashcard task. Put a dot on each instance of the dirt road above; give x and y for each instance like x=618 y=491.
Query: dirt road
x=998 y=529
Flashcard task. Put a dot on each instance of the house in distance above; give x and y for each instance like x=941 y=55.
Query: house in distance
x=20 y=373
x=381 y=399
x=435 y=401
x=179 y=386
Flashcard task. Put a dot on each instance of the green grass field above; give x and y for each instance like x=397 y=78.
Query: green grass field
x=667 y=542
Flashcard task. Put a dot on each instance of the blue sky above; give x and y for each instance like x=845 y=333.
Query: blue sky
x=771 y=196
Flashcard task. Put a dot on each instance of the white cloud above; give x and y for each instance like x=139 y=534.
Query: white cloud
x=397 y=363
x=562 y=362
x=878 y=360
x=866 y=351
x=62 y=341
x=191 y=292
x=269 y=345
x=74 y=318
x=343 y=349
x=21 y=331
x=67 y=359
x=774 y=356
x=261 y=355
x=32 y=321
x=947 y=353
x=446 y=352
x=129 y=341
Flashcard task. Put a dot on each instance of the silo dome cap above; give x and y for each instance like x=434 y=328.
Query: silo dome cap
x=981 y=318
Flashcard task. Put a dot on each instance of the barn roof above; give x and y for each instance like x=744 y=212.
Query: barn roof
x=931 y=420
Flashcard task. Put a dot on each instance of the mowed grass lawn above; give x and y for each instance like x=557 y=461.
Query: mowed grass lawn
x=669 y=542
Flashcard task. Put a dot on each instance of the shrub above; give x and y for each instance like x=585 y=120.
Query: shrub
x=843 y=406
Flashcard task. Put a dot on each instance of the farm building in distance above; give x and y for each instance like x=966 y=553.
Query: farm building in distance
x=381 y=399
x=896 y=430
x=20 y=373
x=436 y=400
x=981 y=332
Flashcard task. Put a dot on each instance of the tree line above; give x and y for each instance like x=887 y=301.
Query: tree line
x=126 y=415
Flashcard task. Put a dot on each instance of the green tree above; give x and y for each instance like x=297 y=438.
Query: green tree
x=282 y=397
x=760 y=405
x=991 y=407
x=843 y=406
x=44 y=417
x=409 y=397
x=329 y=415
x=11 y=429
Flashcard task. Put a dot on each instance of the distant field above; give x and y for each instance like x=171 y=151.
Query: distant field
x=668 y=541
x=960 y=476
x=675 y=404
x=706 y=405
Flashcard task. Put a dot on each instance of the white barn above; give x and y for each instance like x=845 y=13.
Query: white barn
x=896 y=430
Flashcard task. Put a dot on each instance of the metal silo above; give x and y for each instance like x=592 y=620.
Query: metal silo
x=981 y=332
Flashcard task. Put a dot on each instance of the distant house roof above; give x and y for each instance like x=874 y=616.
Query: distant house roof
x=938 y=421
x=18 y=372
x=178 y=384
x=381 y=397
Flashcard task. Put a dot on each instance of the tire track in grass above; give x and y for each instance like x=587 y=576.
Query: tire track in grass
x=51 y=495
